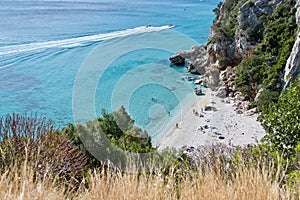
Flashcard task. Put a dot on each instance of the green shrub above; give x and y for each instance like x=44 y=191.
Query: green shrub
x=281 y=120
x=267 y=97
x=250 y=75
x=293 y=174
x=223 y=62
x=112 y=137
x=263 y=68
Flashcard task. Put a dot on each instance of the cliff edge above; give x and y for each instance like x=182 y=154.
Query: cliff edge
x=252 y=51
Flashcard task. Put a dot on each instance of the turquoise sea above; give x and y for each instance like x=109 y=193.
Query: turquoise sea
x=46 y=46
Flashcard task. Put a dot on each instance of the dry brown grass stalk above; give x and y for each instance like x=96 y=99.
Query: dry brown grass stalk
x=246 y=184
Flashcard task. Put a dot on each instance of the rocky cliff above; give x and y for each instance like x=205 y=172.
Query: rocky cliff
x=241 y=29
x=292 y=68
x=237 y=30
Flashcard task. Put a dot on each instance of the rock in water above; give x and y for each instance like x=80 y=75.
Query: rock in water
x=198 y=59
x=177 y=60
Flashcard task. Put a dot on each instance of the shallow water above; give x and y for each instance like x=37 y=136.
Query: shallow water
x=44 y=44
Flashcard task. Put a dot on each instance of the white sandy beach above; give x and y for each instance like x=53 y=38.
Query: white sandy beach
x=223 y=125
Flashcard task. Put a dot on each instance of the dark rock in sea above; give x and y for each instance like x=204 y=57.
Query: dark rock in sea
x=192 y=69
x=177 y=60
x=198 y=59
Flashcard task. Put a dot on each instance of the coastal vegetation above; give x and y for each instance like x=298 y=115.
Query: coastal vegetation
x=112 y=158
x=55 y=163
x=263 y=68
x=281 y=121
x=224 y=26
x=247 y=183
x=113 y=135
x=269 y=33
x=265 y=41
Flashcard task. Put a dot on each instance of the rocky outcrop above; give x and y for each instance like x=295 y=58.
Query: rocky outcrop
x=292 y=68
x=222 y=92
x=235 y=34
x=198 y=91
x=249 y=23
x=227 y=78
x=211 y=77
x=197 y=58
x=177 y=60
x=231 y=49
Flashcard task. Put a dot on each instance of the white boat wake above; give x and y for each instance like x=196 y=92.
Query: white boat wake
x=78 y=41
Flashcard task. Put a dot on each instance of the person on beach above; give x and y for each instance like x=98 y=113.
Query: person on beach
x=177 y=126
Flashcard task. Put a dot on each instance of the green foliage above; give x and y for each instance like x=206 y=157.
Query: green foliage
x=225 y=22
x=251 y=3
x=217 y=10
x=120 y=130
x=224 y=62
x=112 y=136
x=281 y=120
x=263 y=68
x=293 y=176
x=249 y=75
x=267 y=97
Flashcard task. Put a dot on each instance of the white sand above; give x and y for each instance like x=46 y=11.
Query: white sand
x=234 y=129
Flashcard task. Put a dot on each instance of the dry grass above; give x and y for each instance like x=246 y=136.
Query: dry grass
x=22 y=186
x=130 y=186
x=246 y=184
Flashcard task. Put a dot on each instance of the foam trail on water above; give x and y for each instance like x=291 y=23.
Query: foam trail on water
x=78 y=41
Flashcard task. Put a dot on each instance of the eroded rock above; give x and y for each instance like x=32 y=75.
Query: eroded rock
x=177 y=60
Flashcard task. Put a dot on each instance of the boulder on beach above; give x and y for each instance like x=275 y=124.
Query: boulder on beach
x=222 y=92
x=210 y=108
x=177 y=60
x=198 y=91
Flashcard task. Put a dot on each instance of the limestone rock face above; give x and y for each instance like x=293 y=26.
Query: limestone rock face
x=211 y=77
x=246 y=36
x=292 y=68
x=258 y=94
x=222 y=92
x=249 y=23
x=198 y=59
